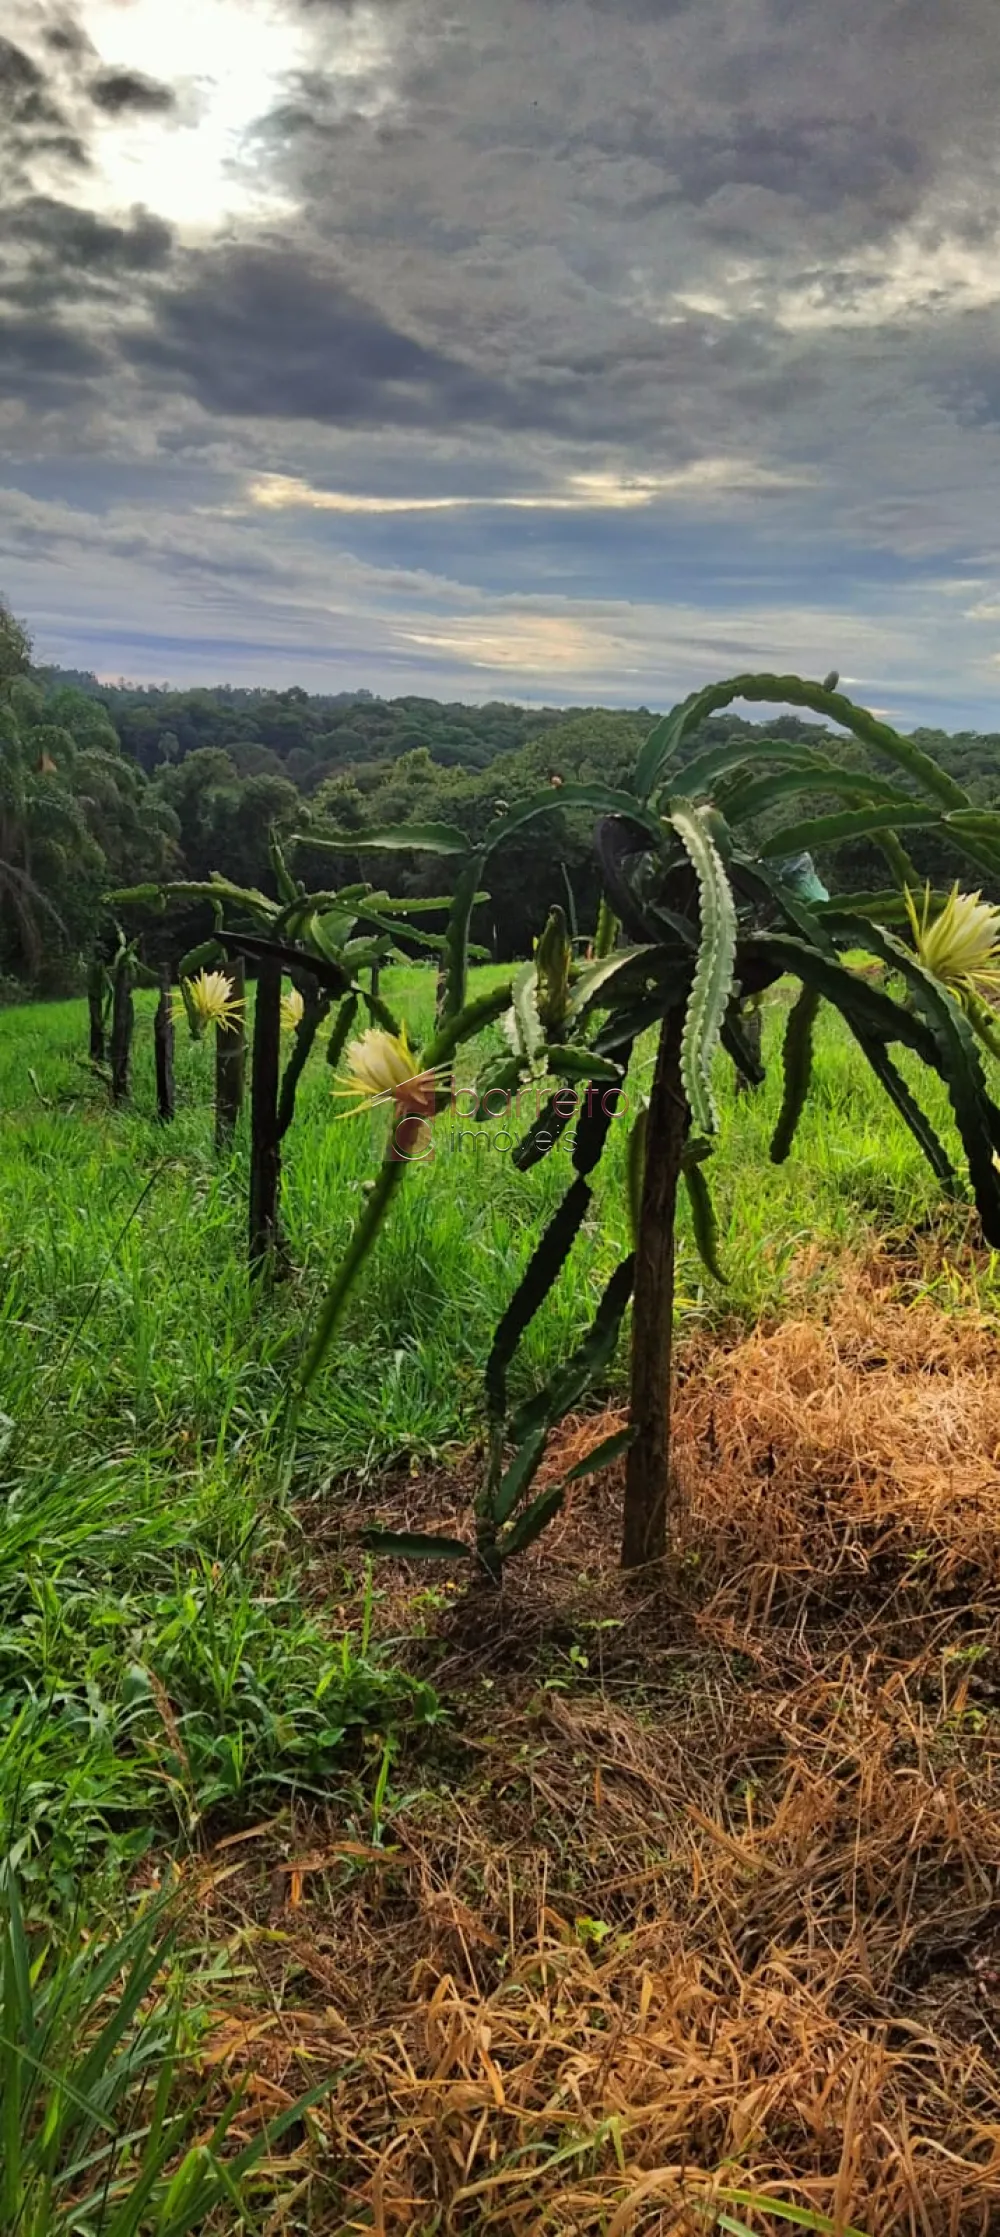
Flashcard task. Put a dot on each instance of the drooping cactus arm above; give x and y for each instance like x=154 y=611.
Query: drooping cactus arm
x=667 y=736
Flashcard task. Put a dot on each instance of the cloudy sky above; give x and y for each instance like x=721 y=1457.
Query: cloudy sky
x=558 y=350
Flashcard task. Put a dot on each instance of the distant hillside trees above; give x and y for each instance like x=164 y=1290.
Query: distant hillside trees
x=75 y=815
x=113 y=783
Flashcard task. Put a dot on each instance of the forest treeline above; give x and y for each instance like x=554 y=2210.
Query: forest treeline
x=104 y=785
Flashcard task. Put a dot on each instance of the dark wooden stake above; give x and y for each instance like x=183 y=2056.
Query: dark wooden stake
x=265 y=1150
x=231 y=1060
x=647 y=1476
x=752 y=1022
x=163 y=1048
x=122 y=1029
x=97 y=985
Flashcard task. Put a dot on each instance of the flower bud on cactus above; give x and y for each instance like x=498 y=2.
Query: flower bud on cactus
x=553 y=959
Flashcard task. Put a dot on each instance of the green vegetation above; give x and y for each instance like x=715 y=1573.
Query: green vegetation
x=140 y=1381
x=189 y=783
x=716 y=915
x=93 y=2135
x=724 y=1084
x=167 y=1654
x=172 y=1663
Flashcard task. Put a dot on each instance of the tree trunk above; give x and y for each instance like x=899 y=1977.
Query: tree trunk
x=122 y=1028
x=163 y=1048
x=230 y=1060
x=97 y=980
x=265 y=1152
x=644 y=1536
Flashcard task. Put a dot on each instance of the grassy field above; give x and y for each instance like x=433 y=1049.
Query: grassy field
x=143 y=1231
x=200 y=1675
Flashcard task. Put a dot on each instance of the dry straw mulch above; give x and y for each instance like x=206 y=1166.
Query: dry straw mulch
x=703 y=1884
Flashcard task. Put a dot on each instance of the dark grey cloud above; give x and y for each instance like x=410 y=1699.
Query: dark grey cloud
x=269 y=332
x=58 y=256
x=44 y=357
x=340 y=11
x=130 y=93
x=64 y=34
x=654 y=12
x=273 y=332
x=819 y=162
x=517 y=218
x=34 y=123
x=67 y=235
x=543 y=161
x=23 y=88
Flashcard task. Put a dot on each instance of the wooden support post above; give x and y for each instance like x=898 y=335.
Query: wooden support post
x=122 y=1029
x=163 y=1048
x=97 y=987
x=752 y=1022
x=647 y=1473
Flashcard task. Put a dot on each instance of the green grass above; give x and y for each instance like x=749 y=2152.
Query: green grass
x=156 y=1660
x=127 y=1323
x=98 y=2131
x=169 y=1669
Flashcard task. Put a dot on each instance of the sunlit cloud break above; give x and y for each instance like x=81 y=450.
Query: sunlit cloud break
x=582 y=493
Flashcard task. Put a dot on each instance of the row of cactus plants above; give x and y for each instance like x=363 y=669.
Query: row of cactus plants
x=325 y=941
x=697 y=922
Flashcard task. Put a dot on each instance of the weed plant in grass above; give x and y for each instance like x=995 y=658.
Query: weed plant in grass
x=204 y=1690
x=96 y=2135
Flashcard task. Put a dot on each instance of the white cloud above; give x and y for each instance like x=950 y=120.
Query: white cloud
x=193 y=167
x=926 y=269
x=579 y=493
x=916 y=275
x=248 y=597
x=200 y=165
